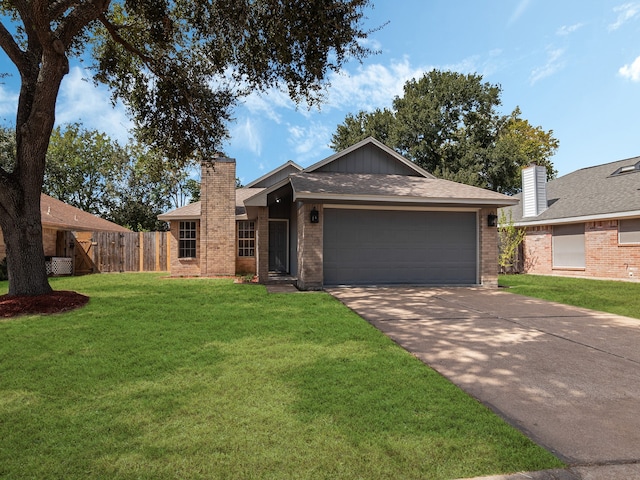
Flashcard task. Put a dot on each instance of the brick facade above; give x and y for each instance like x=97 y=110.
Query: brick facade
x=488 y=250
x=218 y=217
x=310 y=248
x=183 y=267
x=604 y=257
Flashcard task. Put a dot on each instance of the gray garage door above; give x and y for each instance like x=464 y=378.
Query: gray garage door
x=369 y=247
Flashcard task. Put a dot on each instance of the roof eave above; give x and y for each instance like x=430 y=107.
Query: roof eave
x=167 y=217
x=260 y=198
x=578 y=219
x=332 y=197
x=288 y=163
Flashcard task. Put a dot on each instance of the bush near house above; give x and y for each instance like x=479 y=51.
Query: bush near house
x=197 y=378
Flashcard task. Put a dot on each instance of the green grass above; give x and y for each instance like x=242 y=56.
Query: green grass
x=621 y=298
x=158 y=378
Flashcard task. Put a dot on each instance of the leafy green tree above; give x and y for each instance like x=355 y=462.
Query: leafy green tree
x=377 y=124
x=449 y=124
x=84 y=169
x=140 y=200
x=7 y=149
x=179 y=67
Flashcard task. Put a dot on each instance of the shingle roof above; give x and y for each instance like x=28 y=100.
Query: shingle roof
x=192 y=211
x=391 y=188
x=64 y=216
x=188 y=212
x=589 y=192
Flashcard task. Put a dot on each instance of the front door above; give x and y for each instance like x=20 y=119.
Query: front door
x=278 y=246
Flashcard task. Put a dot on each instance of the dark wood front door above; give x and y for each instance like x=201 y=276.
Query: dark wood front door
x=278 y=246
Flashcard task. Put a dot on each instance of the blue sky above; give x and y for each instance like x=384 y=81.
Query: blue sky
x=572 y=66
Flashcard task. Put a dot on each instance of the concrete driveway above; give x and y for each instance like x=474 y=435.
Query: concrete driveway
x=569 y=378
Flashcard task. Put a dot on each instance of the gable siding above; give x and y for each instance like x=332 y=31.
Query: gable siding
x=368 y=159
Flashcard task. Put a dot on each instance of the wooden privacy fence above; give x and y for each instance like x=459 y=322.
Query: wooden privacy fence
x=102 y=252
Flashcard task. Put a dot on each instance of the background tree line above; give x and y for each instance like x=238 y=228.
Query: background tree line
x=129 y=185
x=448 y=123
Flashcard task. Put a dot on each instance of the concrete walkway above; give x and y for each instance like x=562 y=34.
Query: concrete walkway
x=569 y=378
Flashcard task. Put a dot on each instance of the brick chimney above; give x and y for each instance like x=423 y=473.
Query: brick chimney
x=218 y=217
x=534 y=190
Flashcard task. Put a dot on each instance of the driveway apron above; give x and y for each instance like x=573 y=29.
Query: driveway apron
x=569 y=378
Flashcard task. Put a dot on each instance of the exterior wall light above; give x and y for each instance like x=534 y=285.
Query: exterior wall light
x=314 y=217
x=492 y=220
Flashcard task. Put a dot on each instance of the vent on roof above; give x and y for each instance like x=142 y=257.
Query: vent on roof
x=627 y=169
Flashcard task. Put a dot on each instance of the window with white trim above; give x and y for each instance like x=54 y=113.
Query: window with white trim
x=629 y=231
x=246 y=238
x=187 y=240
x=568 y=246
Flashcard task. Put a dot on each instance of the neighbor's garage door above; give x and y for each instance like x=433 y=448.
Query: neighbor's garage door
x=368 y=247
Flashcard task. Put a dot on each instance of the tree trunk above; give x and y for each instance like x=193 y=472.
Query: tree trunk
x=20 y=189
x=25 y=254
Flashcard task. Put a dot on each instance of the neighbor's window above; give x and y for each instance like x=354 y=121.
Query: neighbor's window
x=187 y=240
x=629 y=231
x=246 y=239
x=568 y=246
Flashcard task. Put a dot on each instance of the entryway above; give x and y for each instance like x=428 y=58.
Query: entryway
x=279 y=246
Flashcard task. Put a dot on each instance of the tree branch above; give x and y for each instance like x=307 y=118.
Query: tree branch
x=113 y=31
x=58 y=7
x=12 y=49
x=79 y=18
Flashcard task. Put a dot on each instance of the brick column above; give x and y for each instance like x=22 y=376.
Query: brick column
x=488 y=250
x=262 y=244
x=218 y=217
x=310 y=248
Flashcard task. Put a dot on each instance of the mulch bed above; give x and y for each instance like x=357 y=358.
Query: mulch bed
x=54 y=302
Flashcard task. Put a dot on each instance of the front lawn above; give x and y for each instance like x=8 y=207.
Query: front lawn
x=158 y=378
x=621 y=298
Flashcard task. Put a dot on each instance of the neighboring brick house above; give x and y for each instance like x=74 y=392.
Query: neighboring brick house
x=583 y=224
x=365 y=215
x=60 y=221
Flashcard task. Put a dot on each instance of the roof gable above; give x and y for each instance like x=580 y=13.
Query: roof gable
x=275 y=176
x=368 y=157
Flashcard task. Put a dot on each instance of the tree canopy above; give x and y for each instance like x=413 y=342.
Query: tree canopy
x=178 y=66
x=449 y=124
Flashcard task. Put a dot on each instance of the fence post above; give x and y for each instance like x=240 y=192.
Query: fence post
x=141 y=252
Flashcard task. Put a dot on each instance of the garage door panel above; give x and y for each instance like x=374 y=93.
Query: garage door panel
x=387 y=247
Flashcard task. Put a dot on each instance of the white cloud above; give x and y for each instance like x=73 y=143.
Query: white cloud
x=569 y=29
x=267 y=103
x=370 y=87
x=8 y=102
x=554 y=63
x=626 y=12
x=247 y=136
x=522 y=6
x=631 y=71
x=81 y=101
x=309 y=142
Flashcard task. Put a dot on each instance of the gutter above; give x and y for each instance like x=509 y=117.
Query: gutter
x=580 y=219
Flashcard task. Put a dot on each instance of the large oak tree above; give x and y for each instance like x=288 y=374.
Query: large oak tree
x=178 y=65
